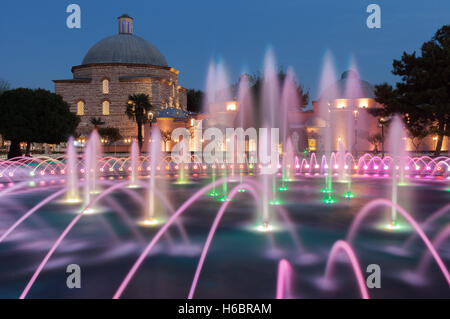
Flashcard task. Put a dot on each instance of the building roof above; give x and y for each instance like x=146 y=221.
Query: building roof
x=172 y=112
x=361 y=88
x=124 y=48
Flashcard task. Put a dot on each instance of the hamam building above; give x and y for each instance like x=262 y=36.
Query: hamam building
x=114 y=68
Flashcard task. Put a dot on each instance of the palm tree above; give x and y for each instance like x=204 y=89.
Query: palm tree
x=97 y=121
x=138 y=109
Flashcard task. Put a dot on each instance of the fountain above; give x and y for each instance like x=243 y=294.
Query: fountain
x=269 y=218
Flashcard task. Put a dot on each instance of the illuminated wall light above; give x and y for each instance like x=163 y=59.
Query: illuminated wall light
x=386 y=167
x=195 y=167
x=177 y=167
x=111 y=169
x=365 y=167
x=63 y=172
x=346 y=167
x=336 y=166
x=326 y=166
x=375 y=167
x=43 y=173
x=204 y=167
x=317 y=166
x=231 y=106
x=149 y=168
x=407 y=168
x=213 y=166
x=428 y=168
x=417 y=167
x=11 y=174
x=341 y=103
x=297 y=166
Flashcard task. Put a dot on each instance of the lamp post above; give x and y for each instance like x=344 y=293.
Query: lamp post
x=382 y=122
x=356 y=113
x=150 y=117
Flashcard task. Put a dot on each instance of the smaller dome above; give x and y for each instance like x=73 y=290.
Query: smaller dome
x=350 y=74
x=338 y=89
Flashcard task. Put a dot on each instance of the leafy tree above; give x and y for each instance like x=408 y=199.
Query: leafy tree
x=256 y=82
x=423 y=95
x=376 y=140
x=97 y=121
x=112 y=134
x=194 y=100
x=138 y=110
x=34 y=116
x=4 y=86
x=166 y=136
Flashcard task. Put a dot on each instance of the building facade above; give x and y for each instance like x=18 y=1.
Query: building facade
x=113 y=69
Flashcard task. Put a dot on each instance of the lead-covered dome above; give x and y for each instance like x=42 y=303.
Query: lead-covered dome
x=124 y=48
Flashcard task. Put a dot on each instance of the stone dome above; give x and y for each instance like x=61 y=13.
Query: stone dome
x=364 y=89
x=124 y=48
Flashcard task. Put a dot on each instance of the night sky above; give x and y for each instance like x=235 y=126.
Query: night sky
x=37 y=46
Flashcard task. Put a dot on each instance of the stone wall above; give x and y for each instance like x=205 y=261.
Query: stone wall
x=160 y=83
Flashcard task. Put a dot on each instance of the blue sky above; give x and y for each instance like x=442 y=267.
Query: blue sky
x=37 y=47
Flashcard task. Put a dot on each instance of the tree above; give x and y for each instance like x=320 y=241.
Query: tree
x=4 y=86
x=111 y=134
x=376 y=140
x=34 y=116
x=138 y=109
x=194 y=100
x=256 y=82
x=97 y=121
x=166 y=135
x=422 y=96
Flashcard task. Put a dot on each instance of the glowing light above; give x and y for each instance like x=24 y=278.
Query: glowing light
x=375 y=167
x=345 y=166
x=317 y=166
x=329 y=199
x=283 y=188
x=150 y=222
x=264 y=228
x=213 y=193
x=386 y=167
x=349 y=194
x=231 y=106
x=224 y=198
x=336 y=166
x=355 y=167
x=365 y=167
x=275 y=202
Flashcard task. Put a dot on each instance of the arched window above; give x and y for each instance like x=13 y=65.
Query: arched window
x=80 y=108
x=105 y=86
x=105 y=108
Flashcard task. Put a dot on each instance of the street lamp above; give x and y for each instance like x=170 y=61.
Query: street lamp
x=150 y=116
x=356 y=113
x=382 y=122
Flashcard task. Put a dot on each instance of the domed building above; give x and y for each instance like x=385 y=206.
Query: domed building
x=114 y=68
